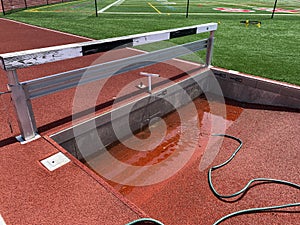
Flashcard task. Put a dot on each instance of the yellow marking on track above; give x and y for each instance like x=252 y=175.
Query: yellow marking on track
x=159 y=12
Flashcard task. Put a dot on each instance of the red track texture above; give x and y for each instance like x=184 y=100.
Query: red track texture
x=29 y=193
x=72 y=194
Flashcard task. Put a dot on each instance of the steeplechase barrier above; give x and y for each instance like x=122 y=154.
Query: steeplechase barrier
x=23 y=92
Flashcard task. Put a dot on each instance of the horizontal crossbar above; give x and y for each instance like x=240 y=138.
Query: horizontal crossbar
x=51 y=84
x=16 y=60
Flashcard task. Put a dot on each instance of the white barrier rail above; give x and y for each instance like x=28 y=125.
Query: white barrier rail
x=23 y=92
x=51 y=84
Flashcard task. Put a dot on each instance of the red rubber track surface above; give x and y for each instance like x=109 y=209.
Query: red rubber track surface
x=270 y=150
x=30 y=194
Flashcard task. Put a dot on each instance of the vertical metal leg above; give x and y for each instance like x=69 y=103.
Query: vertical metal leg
x=274 y=9
x=2 y=5
x=22 y=106
x=209 y=51
x=25 y=2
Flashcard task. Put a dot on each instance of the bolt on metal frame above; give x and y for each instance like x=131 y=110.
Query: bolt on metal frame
x=23 y=92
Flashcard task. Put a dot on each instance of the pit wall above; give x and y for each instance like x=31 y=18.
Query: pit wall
x=140 y=112
x=256 y=90
x=236 y=86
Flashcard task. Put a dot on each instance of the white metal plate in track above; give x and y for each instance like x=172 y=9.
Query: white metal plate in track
x=2 y=222
x=55 y=161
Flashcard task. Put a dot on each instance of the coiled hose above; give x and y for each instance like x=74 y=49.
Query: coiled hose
x=247 y=186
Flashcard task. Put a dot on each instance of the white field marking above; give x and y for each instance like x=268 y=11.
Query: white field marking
x=207 y=14
x=175 y=59
x=166 y=2
x=236 y=4
x=227 y=3
x=118 y=2
x=42 y=28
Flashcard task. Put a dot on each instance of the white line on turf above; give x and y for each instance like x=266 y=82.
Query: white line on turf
x=175 y=59
x=207 y=14
x=118 y=2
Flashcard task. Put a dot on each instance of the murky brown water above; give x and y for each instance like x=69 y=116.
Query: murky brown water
x=174 y=130
x=161 y=142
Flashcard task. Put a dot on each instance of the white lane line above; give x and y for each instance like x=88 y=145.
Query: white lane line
x=43 y=28
x=118 y=2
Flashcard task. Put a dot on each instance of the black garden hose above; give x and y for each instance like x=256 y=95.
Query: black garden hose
x=247 y=186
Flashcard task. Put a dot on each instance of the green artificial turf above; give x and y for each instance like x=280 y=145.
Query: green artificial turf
x=271 y=51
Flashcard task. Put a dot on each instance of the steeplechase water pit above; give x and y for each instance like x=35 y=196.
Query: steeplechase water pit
x=163 y=133
x=178 y=119
x=163 y=158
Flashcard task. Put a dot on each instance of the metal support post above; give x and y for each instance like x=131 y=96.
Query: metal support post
x=209 y=50
x=187 y=9
x=25 y=2
x=2 y=5
x=96 y=8
x=274 y=9
x=22 y=106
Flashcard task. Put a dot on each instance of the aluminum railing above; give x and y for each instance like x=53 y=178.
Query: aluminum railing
x=23 y=92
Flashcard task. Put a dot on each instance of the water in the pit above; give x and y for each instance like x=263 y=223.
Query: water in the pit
x=164 y=141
